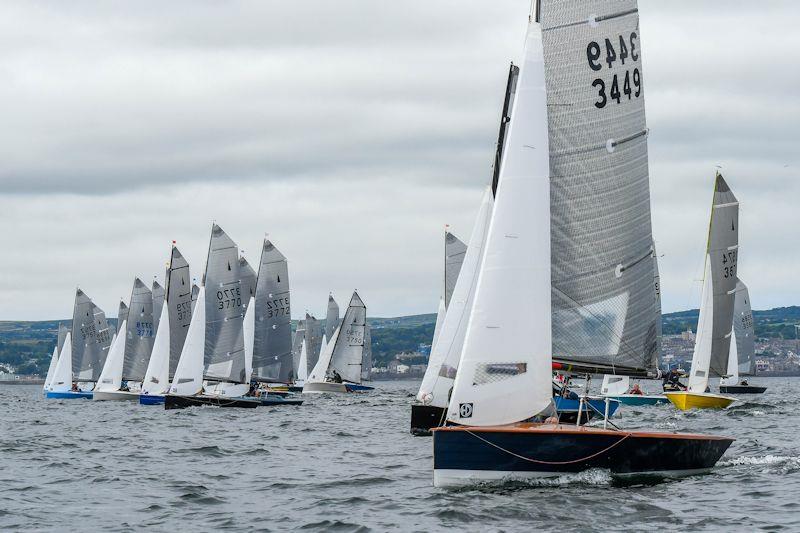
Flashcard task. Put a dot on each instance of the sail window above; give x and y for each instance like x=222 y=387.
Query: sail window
x=494 y=372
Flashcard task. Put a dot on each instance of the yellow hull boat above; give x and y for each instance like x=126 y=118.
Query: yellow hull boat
x=684 y=400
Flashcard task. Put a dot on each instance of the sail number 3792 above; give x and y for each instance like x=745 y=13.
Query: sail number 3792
x=619 y=86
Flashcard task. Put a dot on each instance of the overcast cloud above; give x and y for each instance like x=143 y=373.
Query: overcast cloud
x=351 y=132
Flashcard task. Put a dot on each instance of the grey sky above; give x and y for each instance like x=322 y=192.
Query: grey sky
x=351 y=132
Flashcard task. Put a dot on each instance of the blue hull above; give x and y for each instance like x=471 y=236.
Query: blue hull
x=640 y=400
x=151 y=399
x=568 y=405
x=352 y=387
x=271 y=400
x=68 y=395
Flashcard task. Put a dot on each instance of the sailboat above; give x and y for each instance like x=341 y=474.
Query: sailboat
x=174 y=321
x=565 y=280
x=715 y=323
x=215 y=346
x=338 y=368
x=130 y=353
x=272 y=359
x=437 y=383
x=84 y=352
x=741 y=356
x=51 y=369
x=434 y=392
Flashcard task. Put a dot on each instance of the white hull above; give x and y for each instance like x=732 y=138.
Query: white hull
x=321 y=388
x=448 y=479
x=116 y=396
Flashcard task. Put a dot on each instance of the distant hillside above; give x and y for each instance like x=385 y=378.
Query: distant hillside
x=28 y=345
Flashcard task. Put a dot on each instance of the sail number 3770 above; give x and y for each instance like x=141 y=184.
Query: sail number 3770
x=619 y=86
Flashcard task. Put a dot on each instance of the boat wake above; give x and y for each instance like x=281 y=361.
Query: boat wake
x=783 y=463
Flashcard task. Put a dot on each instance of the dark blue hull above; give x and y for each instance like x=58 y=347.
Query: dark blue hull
x=471 y=454
x=273 y=401
x=151 y=399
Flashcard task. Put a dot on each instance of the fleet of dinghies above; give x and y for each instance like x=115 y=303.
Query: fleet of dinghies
x=227 y=342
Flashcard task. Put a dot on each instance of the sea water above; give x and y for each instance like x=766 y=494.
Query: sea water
x=348 y=463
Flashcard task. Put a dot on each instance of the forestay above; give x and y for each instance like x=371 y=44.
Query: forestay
x=272 y=351
x=225 y=306
x=715 y=323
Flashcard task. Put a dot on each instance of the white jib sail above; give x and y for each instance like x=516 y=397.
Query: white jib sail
x=615 y=385
x=445 y=354
x=733 y=364
x=62 y=377
x=302 y=371
x=51 y=370
x=437 y=328
x=188 y=379
x=156 y=379
x=701 y=359
x=320 y=370
x=506 y=365
x=111 y=377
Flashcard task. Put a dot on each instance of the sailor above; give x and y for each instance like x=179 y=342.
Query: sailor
x=636 y=390
x=744 y=383
x=336 y=377
x=75 y=387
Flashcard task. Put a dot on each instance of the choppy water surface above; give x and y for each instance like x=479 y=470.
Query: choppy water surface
x=348 y=463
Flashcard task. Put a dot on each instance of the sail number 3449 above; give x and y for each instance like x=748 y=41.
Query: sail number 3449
x=620 y=85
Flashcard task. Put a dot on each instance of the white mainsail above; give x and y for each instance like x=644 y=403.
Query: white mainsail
x=504 y=374
x=715 y=323
x=447 y=346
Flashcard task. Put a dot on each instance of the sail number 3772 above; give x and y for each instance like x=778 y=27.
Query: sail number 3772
x=619 y=86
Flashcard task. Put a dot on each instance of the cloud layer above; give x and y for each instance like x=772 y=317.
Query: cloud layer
x=351 y=132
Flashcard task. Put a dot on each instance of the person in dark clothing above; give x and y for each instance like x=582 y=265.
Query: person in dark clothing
x=672 y=382
x=336 y=377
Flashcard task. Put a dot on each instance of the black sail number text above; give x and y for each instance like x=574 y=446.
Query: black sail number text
x=620 y=86
x=229 y=298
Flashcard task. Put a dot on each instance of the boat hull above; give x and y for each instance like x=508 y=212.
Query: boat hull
x=741 y=389
x=320 y=388
x=685 y=400
x=115 y=396
x=181 y=402
x=69 y=395
x=426 y=417
x=567 y=409
x=465 y=456
x=151 y=399
x=275 y=401
x=353 y=387
x=639 y=399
